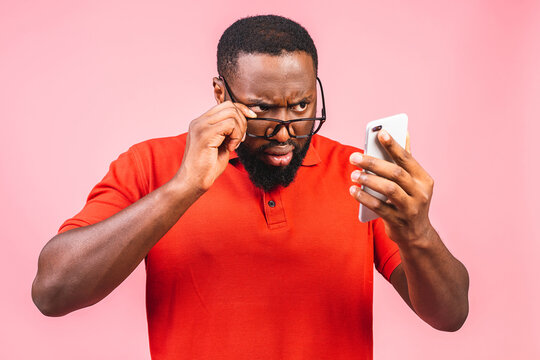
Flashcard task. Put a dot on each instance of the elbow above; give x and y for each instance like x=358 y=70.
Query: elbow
x=56 y=296
x=450 y=327
x=49 y=287
x=48 y=310
x=456 y=319
x=43 y=296
x=454 y=323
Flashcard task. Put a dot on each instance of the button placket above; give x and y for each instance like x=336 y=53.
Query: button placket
x=273 y=209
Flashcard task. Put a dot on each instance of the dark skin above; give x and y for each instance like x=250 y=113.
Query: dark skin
x=429 y=279
x=275 y=87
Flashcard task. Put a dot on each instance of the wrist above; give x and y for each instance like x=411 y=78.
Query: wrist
x=419 y=238
x=181 y=189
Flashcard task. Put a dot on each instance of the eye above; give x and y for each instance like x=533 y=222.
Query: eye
x=301 y=106
x=259 y=108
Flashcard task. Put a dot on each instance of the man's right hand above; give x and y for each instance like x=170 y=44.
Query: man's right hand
x=210 y=139
x=112 y=248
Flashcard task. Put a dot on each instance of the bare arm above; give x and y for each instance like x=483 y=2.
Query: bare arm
x=430 y=279
x=434 y=284
x=80 y=267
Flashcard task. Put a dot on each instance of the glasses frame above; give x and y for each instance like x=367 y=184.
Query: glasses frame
x=284 y=123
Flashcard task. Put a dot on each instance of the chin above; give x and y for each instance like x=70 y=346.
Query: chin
x=266 y=175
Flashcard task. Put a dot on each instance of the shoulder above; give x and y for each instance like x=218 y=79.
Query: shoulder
x=329 y=149
x=165 y=150
x=157 y=160
x=171 y=145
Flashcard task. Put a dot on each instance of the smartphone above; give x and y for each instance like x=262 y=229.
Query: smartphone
x=396 y=126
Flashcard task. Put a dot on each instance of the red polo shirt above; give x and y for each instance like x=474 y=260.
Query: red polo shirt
x=246 y=274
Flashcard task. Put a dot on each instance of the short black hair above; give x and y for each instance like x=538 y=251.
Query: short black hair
x=262 y=34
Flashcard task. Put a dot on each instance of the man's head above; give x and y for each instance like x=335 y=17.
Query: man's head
x=270 y=64
x=264 y=34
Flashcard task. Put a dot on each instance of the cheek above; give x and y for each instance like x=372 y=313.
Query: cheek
x=299 y=144
x=301 y=128
x=253 y=144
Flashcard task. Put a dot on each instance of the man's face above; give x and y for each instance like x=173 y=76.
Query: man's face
x=281 y=87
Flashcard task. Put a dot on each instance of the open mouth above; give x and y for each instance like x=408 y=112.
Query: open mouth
x=278 y=155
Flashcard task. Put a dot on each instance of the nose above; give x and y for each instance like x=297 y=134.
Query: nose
x=282 y=135
x=284 y=131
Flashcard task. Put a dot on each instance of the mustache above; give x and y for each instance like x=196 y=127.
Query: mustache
x=273 y=143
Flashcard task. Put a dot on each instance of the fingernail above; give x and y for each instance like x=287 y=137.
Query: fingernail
x=355 y=175
x=244 y=138
x=252 y=113
x=384 y=135
x=356 y=157
x=352 y=190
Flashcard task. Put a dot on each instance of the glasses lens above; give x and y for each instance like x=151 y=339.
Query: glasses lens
x=301 y=128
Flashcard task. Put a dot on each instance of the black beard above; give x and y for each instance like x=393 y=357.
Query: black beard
x=268 y=177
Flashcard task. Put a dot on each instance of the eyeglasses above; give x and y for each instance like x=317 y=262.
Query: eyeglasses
x=266 y=128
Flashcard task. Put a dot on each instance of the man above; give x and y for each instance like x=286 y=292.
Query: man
x=247 y=225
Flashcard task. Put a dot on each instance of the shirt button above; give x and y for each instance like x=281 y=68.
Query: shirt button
x=271 y=203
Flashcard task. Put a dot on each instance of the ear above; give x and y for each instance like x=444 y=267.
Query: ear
x=219 y=90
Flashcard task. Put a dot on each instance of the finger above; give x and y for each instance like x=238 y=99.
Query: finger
x=228 y=109
x=398 y=154
x=245 y=110
x=384 y=169
x=218 y=107
x=227 y=113
x=226 y=133
x=237 y=134
x=408 y=143
x=229 y=104
x=384 y=210
x=390 y=189
x=401 y=156
x=242 y=111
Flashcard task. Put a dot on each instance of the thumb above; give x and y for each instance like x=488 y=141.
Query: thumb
x=408 y=143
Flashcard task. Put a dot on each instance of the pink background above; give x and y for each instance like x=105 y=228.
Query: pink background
x=81 y=81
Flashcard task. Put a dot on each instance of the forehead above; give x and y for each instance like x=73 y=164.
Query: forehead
x=289 y=74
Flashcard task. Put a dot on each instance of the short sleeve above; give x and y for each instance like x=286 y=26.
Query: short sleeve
x=121 y=187
x=386 y=252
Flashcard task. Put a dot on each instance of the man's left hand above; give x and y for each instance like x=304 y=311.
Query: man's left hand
x=406 y=185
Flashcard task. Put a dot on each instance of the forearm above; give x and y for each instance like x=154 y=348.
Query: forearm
x=437 y=282
x=80 y=267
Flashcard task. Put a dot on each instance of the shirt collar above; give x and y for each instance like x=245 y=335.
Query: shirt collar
x=312 y=157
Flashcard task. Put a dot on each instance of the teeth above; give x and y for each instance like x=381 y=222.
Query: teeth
x=278 y=154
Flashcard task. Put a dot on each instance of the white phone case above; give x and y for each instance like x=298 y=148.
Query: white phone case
x=396 y=126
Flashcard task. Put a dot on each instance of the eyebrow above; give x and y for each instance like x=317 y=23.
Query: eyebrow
x=259 y=102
